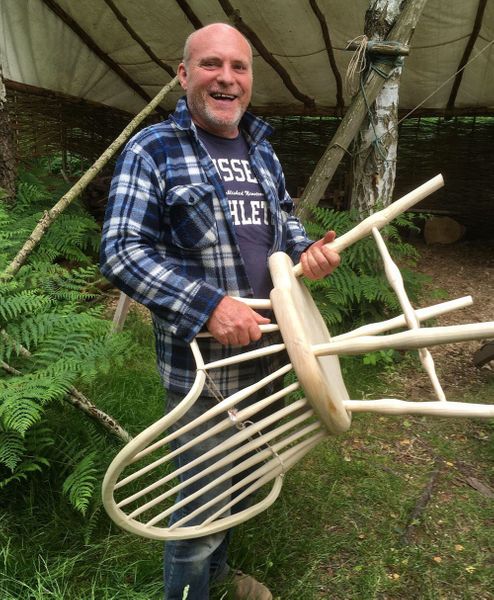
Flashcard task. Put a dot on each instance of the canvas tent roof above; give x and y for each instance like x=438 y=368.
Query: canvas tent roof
x=117 y=52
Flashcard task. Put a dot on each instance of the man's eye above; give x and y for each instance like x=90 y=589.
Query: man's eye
x=209 y=64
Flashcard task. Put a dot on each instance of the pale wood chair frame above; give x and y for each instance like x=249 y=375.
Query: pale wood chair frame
x=268 y=448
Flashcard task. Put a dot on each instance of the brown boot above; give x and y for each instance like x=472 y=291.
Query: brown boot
x=245 y=587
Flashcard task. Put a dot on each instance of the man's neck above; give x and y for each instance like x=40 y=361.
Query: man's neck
x=226 y=133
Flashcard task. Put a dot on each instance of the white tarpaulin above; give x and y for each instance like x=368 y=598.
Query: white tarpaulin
x=39 y=49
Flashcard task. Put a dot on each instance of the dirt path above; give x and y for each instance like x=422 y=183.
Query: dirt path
x=460 y=269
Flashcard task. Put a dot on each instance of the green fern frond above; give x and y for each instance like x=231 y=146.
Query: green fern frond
x=29 y=193
x=19 y=413
x=45 y=310
x=64 y=370
x=31 y=331
x=72 y=286
x=37 y=272
x=88 y=359
x=39 y=438
x=358 y=292
x=79 y=485
x=52 y=383
x=339 y=221
x=91 y=523
x=331 y=313
x=12 y=448
x=25 y=302
x=71 y=236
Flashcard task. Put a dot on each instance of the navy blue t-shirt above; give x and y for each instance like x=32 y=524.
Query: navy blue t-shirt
x=248 y=206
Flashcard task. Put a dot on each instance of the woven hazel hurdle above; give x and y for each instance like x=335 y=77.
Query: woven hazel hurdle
x=143 y=480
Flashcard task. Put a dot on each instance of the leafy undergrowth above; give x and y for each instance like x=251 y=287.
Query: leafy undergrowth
x=47 y=549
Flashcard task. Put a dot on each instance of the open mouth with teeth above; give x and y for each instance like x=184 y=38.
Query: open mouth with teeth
x=223 y=97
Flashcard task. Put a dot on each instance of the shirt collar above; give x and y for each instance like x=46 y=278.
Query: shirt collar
x=256 y=128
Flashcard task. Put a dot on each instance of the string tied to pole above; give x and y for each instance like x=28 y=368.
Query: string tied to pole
x=371 y=55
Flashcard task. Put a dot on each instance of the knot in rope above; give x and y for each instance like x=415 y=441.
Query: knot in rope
x=365 y=59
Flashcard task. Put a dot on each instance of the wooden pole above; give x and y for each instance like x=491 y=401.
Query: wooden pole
x=50 y=215
x=402 y=32
x=382 y=47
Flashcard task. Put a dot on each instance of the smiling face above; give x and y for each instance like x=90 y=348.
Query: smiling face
x=217 y=77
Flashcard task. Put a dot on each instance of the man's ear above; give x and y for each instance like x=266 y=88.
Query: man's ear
x=182 y=75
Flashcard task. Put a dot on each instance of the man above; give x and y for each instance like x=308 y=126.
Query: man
x=196 y=206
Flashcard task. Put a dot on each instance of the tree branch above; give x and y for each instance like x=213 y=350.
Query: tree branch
x=78 y=400
x=50 y=215
x=422 y=502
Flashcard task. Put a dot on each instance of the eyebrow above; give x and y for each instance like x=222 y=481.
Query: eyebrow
x=205 y=59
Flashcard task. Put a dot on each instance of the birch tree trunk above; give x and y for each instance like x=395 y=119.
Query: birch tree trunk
x=375 y=147
x=8 y=161
x=401 y=32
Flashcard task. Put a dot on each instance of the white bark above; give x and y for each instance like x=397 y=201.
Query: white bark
x=375 y=148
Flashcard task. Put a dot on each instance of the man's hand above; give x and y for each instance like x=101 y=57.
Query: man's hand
x=234 y=323
x=318 y=261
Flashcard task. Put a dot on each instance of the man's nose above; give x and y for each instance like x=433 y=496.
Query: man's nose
x=226 y=75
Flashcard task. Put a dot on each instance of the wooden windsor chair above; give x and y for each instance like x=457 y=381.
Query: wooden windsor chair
x=141 y=483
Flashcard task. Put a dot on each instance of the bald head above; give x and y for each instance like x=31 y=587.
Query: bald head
x=197 y=38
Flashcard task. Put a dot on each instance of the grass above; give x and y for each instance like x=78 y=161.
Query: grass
x=343 y=528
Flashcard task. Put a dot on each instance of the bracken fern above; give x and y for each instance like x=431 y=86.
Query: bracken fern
x=358 y=291
x=52 y=337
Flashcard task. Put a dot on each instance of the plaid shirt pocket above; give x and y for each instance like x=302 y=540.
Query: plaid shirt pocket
x=192 y=216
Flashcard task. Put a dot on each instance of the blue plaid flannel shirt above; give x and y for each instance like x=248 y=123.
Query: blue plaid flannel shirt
x=169 y=240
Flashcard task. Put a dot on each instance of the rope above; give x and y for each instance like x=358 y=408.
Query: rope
x=356 y=66
x=378 y=140
x=233 y=416
x=243 y=425
x=446 y=81
x=359 y=66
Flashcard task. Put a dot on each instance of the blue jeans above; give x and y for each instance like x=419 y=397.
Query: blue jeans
x=198 y=562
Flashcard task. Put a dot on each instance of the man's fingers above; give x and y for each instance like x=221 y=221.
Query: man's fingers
x=329 y=237
x=260 y=319
x=332 y=258
x=319 y=260
x=234 y=323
